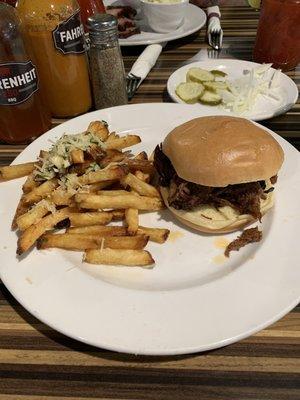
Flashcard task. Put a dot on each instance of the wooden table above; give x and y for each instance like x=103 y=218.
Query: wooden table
x=39 y=363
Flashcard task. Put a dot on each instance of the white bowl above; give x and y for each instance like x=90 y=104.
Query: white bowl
x=164 y=17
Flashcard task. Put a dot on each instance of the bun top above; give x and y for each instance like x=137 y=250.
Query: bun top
x=219 y=151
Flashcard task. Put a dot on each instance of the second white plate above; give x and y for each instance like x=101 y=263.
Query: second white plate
x=195 y=19
x=263 y=109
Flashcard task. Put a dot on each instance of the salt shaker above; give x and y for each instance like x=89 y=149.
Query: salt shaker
x=106 y=64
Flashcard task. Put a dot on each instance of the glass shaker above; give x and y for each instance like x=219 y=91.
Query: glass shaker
x=106 y=64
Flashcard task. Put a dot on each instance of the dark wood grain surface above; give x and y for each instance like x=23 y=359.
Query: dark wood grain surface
x=39 y=363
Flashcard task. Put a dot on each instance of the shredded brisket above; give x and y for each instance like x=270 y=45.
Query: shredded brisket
x=126 y=23
x=184 y=195
x=248 y=236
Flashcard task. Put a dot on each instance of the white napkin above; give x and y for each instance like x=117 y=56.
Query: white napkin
x=214 y=20
x=146 y=61
x=214 y=15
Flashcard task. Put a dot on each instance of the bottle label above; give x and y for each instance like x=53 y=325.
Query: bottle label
x=18 y=82
x=68 y=36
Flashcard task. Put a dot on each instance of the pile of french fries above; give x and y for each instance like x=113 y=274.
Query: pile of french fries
x=50 y=216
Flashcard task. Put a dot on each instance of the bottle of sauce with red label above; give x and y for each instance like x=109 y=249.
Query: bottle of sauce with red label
x=23 y=114
x=55 y=35
x=89 y=8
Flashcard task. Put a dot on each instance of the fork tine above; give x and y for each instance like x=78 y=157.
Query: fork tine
x=135 y=85
x=129 y=87
x=132 y=83
x=216 y=47
x=130 y=93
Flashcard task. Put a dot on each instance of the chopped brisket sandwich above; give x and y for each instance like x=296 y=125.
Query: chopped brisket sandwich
x=217 y=174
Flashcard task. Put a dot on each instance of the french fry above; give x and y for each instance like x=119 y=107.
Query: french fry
x=40 y=192
x=95 y=187
x=90 y=218
x=32 y=216
x=141 y=156
x=79 y=241
x=107 y=174
x=29 y=184
x=77 y=156
x=21 y=209
x=96 y=153
x=141 y=165
x=142 y=177
x=43 y=154
x=123 y=142
x=16 y=171
x=110 y=158
x=132 y=220
x=114 y=152
x=79 y=169
x=100 y=129
x=112 y=136
x=96 y=202
x=117 y=215
x=31 y=234
x=61 y=197
x=157 y=235
x=141 y=187
x=119 y=257
x=112 y=192
x=100 y=230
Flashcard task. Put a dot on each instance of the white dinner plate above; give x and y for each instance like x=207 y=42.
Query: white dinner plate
x=264 y=108
x=193 y=299
x=194 y=20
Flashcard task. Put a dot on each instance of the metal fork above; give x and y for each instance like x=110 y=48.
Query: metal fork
x=215 y=39
x=132 y=82
x=212 y=53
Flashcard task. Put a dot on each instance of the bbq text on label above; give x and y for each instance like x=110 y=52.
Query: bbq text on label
x=18 y=82
x=68 y=36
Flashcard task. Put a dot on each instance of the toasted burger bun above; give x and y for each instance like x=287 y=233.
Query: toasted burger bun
x=210 y=220
x=220 y=150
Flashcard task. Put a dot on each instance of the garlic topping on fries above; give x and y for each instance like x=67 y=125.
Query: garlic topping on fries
x=78 y=187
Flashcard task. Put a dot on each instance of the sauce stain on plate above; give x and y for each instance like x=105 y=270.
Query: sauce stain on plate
x=221 y=242
x=174 y=235
x=219 y=259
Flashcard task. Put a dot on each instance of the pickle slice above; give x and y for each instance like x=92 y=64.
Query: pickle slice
x=215 y=86
x=199 y=75
x=210 y=98
x=218 y=73
x=189 y=92
x=254 y=4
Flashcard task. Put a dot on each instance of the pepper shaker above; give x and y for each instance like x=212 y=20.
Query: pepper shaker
x=106 y=64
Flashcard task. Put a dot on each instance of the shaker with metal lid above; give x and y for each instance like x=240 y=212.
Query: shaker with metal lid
x=106 y=64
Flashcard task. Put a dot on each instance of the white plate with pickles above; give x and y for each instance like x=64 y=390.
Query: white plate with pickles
x=236 y=87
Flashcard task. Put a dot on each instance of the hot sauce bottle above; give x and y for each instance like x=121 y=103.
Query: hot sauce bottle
x=23 y=114
x=54 y=33
x=89 y=8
